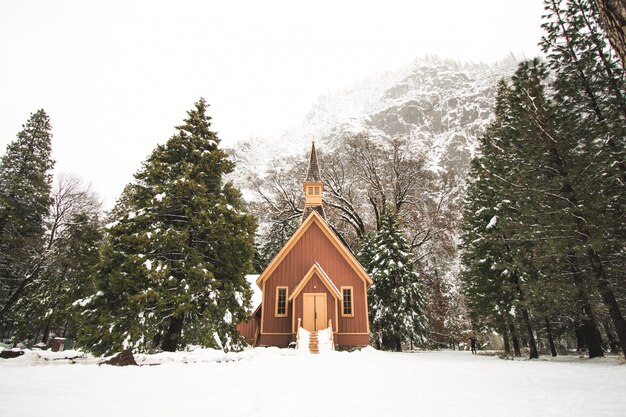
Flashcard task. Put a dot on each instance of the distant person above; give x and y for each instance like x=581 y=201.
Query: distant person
x=473 y=345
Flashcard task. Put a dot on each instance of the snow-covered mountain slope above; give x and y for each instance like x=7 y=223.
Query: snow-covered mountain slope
x=442 y=106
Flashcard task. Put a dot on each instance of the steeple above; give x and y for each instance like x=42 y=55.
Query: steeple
x=313 y=186
x=313 y=173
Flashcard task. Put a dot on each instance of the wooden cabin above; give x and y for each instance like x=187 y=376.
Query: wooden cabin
x=314 y=282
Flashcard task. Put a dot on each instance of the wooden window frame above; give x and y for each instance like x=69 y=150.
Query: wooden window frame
x=351 y=302
x=276 y=314
x=316 y=191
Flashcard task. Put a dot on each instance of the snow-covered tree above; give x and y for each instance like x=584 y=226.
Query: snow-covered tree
x=367 y=250
x=25 y=184
x=172 y=269
x=396 y=305
x=73 y=235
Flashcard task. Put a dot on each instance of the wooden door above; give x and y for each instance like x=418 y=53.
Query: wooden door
x=314 y=311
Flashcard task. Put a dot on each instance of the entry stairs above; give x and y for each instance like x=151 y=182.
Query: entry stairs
x=315 y=341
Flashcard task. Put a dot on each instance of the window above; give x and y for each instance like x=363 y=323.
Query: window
x=310 y=190
x=317 y=190
x=347 y=310
x=281 y=301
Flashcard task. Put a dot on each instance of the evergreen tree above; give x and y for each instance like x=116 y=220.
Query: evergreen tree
x=591 y=108
x=25 y=183
x=493 y=262
x=279 y=233
x=542 y=166
x=367 y=251
x=49 y=306
x=172 y=269
x=396 y=305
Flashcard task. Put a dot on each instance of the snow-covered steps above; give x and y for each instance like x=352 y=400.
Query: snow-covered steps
x=313 y=343
x=316 y=341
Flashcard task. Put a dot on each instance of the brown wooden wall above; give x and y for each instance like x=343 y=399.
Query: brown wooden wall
x=352 y=340
x=280 y=340
x=313 y=247
x=248 y=329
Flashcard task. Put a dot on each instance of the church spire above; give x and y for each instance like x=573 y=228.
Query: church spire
x=313 y=187
x=313 y=173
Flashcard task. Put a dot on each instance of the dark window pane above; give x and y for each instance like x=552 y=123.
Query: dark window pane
x=347 y=301
x=282 y=301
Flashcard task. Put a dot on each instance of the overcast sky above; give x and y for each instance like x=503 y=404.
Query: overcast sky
x=117 y=76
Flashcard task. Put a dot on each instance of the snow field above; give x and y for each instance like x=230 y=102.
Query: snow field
x=278 y=382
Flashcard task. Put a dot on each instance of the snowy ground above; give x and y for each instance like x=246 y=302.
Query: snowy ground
x=273 y=382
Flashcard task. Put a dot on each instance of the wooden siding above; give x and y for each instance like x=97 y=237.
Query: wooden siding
x=313 y=246
x=279 y=340
x=248 y=329
x=352 y=340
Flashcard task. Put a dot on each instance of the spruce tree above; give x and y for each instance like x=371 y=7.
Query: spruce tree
x=396 y=305
x=172 y=269
x=25 y=184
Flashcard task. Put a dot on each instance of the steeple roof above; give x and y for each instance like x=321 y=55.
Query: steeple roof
x=313 y=173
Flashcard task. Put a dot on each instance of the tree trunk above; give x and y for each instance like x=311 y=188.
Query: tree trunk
x=588 y=327
x=550 y=338
x=505 y=338
x=590 y=333
x=532 y=344
x=516 y=347
x=613 y=14
x=46 y=332
x=67 y=323
x=613 y=344
x=172 y=337
x=608 y=297
x=581 y=344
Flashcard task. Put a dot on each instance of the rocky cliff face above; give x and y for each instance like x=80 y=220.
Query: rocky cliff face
x=441 y=106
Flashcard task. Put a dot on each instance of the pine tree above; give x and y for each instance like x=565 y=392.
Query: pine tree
x=25 y=183
x=591 y=108
x=492 y=271
x=172 y=269
x=396 y=305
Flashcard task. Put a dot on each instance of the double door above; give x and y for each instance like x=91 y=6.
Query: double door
x=315 y=317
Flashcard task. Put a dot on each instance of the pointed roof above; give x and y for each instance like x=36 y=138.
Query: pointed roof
x=316 y=269
x=315 y=218
x=313 y=172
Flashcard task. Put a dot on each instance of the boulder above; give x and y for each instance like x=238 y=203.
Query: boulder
x=9 y=354
x=123 y=358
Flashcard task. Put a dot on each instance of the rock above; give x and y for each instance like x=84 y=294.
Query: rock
x=9 y=354
x=123 y=358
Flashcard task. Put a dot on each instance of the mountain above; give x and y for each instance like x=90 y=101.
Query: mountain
x=442 y=106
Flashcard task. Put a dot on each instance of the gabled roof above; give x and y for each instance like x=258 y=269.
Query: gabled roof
x=313 y=172
x=316 y=269
x=314 y=218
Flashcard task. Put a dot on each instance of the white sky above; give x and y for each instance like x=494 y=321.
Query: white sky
x=116 y=76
